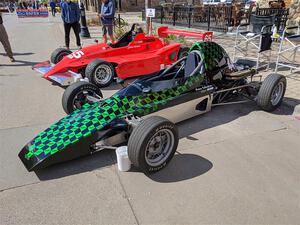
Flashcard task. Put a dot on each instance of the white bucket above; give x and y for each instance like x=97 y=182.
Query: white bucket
x=124 y=163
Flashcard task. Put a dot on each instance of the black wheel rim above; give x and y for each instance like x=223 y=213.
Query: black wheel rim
x=81 y=98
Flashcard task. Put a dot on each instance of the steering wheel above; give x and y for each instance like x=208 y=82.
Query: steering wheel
x=133 y=32
x=133 y=26
x=168 y=69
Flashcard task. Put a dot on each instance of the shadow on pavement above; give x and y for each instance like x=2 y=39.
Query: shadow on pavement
x=221 y=115
x=18 y=63
x=182 y=167
x=113 y=87
x=19 y=53
x=77 y=166
x=218 y=116
x=283 y=69
x=291 y=104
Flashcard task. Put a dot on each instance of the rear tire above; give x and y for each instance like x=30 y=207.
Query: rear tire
x=152 y=144
x=58 y=54
x=75 y=96
x=271 y=92
x=100 y=73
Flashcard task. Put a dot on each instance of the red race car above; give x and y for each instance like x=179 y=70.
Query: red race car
x=133 y=55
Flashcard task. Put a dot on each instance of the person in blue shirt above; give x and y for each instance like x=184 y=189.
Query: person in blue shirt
x=107 y=14
x=52 y=6
x=61 y=3
x=70 y=14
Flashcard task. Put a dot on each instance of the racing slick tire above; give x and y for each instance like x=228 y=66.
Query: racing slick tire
x=100 y=73
x=271 y=92
x=75 y=96
x=58 y=54
x=183 y=51
x=152 y=144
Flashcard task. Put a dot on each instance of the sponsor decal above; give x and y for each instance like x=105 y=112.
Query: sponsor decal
x=27 y=13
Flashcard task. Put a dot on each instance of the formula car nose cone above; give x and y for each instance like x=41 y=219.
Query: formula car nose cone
x=30 y=163
x=38 y=158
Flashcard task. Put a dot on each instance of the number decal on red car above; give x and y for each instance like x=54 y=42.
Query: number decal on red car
x=76 y=55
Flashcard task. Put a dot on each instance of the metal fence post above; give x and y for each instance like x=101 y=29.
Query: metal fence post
x=229 y=16
x=174 y=16
x=189 y=15
x=161 y=14
x=208 y=19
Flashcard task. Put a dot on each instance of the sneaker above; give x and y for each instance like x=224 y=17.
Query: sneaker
x=12 y=59
x=79 y=47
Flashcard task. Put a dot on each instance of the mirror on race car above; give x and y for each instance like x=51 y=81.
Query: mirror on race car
x=146 y=89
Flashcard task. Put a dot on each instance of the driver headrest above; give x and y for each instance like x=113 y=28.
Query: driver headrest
x=192 y=61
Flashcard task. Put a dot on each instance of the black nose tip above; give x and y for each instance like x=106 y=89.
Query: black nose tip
x=29 y=163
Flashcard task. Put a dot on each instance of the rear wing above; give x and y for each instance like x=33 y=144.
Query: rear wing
x=163 y=32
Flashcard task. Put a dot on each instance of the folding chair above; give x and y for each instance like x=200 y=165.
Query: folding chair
x=289 y=44
x=258 y=37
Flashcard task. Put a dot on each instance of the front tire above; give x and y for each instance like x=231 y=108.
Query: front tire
x=58 y=54
x=75 y=96
x=152 y=144
x=271 y=92
x=100 y=73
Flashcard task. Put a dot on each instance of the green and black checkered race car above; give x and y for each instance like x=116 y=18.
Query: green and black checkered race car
x=144 y=113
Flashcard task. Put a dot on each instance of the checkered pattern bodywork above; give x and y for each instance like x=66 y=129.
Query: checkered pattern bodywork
x=212 y=54
x=83 y=123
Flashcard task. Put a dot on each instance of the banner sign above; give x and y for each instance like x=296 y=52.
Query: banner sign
x=29 y=13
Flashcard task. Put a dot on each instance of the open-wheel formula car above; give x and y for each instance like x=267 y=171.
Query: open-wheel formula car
x=145 y=112
x=133 y=55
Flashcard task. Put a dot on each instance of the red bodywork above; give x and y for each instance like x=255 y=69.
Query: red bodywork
x=142 y=56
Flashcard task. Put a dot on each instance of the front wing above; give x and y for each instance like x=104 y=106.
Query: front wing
x=64 y=79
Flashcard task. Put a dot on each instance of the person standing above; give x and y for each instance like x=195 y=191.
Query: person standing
x=107 y=14
x=25 y=5
x=61 y=3
x=4 y=40
x=11 y=7
x=20 y=5
x=70 y=14
x=53 y=5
